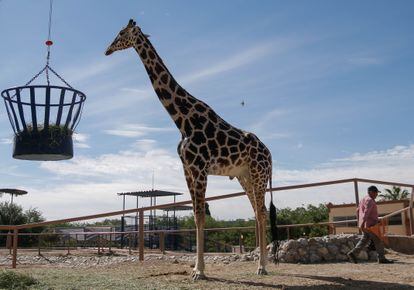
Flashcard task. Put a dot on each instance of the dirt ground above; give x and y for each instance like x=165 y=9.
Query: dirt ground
x=162 y=274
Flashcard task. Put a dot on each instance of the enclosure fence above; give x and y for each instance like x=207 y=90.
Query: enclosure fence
x=141 y=211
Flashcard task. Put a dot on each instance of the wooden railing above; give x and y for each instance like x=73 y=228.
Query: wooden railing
x=141 y=211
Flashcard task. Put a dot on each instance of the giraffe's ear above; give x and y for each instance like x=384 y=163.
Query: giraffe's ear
x=131 y=23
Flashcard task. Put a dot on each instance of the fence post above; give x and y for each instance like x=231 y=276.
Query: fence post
x=256 y=232
x=162 y=242
x=99 y=244
x=288 y=233
x=38 y=244
x=68 y=244
x=141 y=235
x=241 y=243
x=357 y=205
x=356 y=192
x=110 y=243
x=15 y=239
x=130 y=243
x=410 y=213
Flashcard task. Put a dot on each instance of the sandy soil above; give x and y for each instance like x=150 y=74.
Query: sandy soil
x=170 y=274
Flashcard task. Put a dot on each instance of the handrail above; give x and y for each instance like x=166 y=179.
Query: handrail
x=219 y=197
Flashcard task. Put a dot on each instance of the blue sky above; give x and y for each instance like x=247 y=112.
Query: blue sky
x=327 y=86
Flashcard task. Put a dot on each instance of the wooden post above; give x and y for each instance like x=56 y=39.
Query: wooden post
x=410 y=212
x=256 y=232
x=110 y=243
x=356 y=192
x=38 y=244
x=141 y=235
x=241 y=243
x=130 y=243
x=99 y=244
x=162 y=242
x=288 y=233
x=357 y=204
x=68 y=244
x=15 y=239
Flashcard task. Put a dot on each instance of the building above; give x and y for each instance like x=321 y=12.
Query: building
x=397 y=225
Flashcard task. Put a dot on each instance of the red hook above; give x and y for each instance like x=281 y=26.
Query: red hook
x=49 y=42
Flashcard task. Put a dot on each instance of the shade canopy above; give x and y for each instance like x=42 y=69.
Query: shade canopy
x=178 y=208
x=12 y=191
x=151 y=193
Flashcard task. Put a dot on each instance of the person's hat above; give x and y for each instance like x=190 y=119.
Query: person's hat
x=373 y=188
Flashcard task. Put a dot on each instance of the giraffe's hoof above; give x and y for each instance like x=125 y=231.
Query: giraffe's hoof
x=261 y=271
x=197 y=275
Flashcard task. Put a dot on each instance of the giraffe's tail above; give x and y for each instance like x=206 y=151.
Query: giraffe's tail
x=273 y=224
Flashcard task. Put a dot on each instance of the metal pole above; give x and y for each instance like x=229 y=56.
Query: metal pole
x=141 y=235
x=410 y=212
x=15 y=239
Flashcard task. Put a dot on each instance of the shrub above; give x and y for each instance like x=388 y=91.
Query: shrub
x=13 y=280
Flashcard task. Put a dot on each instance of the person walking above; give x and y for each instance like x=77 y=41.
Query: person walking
x=367 y=215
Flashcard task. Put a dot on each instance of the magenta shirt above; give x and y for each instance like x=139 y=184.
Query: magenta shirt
x=367 y=211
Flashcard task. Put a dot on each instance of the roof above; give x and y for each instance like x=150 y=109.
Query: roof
x=178 y=208
x=151 y=193
x=403 y=201
x=13 y=191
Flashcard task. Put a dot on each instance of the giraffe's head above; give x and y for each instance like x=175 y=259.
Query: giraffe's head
x=126 y=38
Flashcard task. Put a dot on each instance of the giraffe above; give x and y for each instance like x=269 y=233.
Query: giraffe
x=209 y=145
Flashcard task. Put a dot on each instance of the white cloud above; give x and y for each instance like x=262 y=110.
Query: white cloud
x=98 y=179
x=265 y=125
x=239 y=59
x=6 y=141
x=135 y=130
x=94 y=68
x=80 y=140
x=365 y=60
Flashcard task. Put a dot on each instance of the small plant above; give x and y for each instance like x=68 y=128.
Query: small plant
x=52 y=137
x=13 y=280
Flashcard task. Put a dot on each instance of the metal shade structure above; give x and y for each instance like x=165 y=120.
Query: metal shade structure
x=43 y=118
x=12 y=192
x=178 y=208
x=151 y=193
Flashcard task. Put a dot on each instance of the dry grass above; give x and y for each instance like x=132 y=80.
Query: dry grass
x=156 y=274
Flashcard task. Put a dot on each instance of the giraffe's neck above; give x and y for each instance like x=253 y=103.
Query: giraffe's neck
x=177 y=101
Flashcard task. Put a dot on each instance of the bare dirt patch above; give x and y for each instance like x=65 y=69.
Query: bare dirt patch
x=175 y=274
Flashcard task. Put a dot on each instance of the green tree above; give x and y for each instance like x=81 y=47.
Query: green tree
x=396 y=193
x=13 y=214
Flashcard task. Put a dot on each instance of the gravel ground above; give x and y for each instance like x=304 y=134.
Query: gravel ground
x=87 y=271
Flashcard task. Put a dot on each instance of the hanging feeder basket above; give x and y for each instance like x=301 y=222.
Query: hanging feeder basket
x=43 y=118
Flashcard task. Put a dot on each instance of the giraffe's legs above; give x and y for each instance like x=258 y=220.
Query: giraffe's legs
x=261 y=220
x=197 y=186
x=260 y=213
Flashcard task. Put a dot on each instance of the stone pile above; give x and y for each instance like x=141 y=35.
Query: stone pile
x=320 y=249
x=303 y=250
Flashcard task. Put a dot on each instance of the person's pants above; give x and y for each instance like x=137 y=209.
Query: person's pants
x=367 y=237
